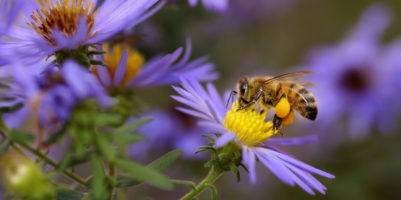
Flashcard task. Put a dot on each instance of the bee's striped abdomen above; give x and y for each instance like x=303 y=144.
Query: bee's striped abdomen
x=300 y=99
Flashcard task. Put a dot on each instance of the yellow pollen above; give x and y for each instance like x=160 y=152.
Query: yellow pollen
x=63 y=16
x=134 y=62
x=248 y=125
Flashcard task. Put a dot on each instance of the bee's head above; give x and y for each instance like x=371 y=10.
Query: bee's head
x=243 y=92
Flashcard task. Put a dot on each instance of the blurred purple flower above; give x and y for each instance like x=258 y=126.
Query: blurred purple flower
x=358 y=77
x=88 y=25
x=161 y=70
x=52 y=94
x=210 y=109
x=178 y=132
x=218 y=6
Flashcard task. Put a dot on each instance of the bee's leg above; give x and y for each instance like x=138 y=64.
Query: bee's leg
x=231 y=97
x=254 y=100
x=276 y=122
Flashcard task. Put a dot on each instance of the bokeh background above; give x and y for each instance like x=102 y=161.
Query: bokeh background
x=266 y=37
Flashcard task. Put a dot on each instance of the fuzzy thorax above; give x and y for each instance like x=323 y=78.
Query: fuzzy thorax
x=62 y=16
x=248 y=125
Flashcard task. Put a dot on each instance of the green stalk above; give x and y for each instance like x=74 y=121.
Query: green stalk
x=4 y=130
x=112 y=175
x=213 y=175
x=54 y=164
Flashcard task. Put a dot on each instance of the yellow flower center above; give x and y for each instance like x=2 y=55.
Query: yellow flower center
x=134 y=62
x=248 y=125
x=62 y=16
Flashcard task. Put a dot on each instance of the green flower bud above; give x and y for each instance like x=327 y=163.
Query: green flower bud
x=24 y=178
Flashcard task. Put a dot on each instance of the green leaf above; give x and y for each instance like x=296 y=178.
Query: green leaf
x=71 y=160
x=132 y=126
x=186 y=183
x=106 y=147
x=67 y=194
x=159 y=164
x=213 y=190
x=166 y=160
x=20 y=136
x=128 y=138
x=143 y=173
x=103 y=119
x=97 y=183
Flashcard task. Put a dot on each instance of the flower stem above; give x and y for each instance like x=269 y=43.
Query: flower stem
x=4 y=130
x=112 y=175
x=54 y=164
x=214 y=173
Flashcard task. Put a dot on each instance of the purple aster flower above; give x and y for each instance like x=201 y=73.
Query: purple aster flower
x=218 y=6
x=128 y=68
x=250 y=131
x=358 y=77
x=51 y=95
x=52 y=25
x=8 y=13
x=178 y=132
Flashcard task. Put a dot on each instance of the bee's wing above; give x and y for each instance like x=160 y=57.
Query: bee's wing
x=297 y=77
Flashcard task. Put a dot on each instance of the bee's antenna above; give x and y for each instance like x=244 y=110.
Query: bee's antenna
x=232 y=93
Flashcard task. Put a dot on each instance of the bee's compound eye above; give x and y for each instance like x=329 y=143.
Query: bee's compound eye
x=243 y=88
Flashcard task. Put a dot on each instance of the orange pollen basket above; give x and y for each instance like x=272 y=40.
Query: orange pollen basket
x=63 y=17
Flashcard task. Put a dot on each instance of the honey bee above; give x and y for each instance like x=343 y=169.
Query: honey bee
x=268 y=91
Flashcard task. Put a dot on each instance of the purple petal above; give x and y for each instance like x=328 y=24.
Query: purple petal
x=274 y=165
x=291 y=141
x=302 y=165
x=121 y=68
x=104 y=75
x=212 y=126
x=224 y=139
x=193 y=113
x=249 y=160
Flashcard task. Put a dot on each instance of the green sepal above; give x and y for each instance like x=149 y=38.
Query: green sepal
x=10 y=109
x=96 y=52
x=98 y=62
x=209 y=138
x=234 y=169
x=206 y=148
